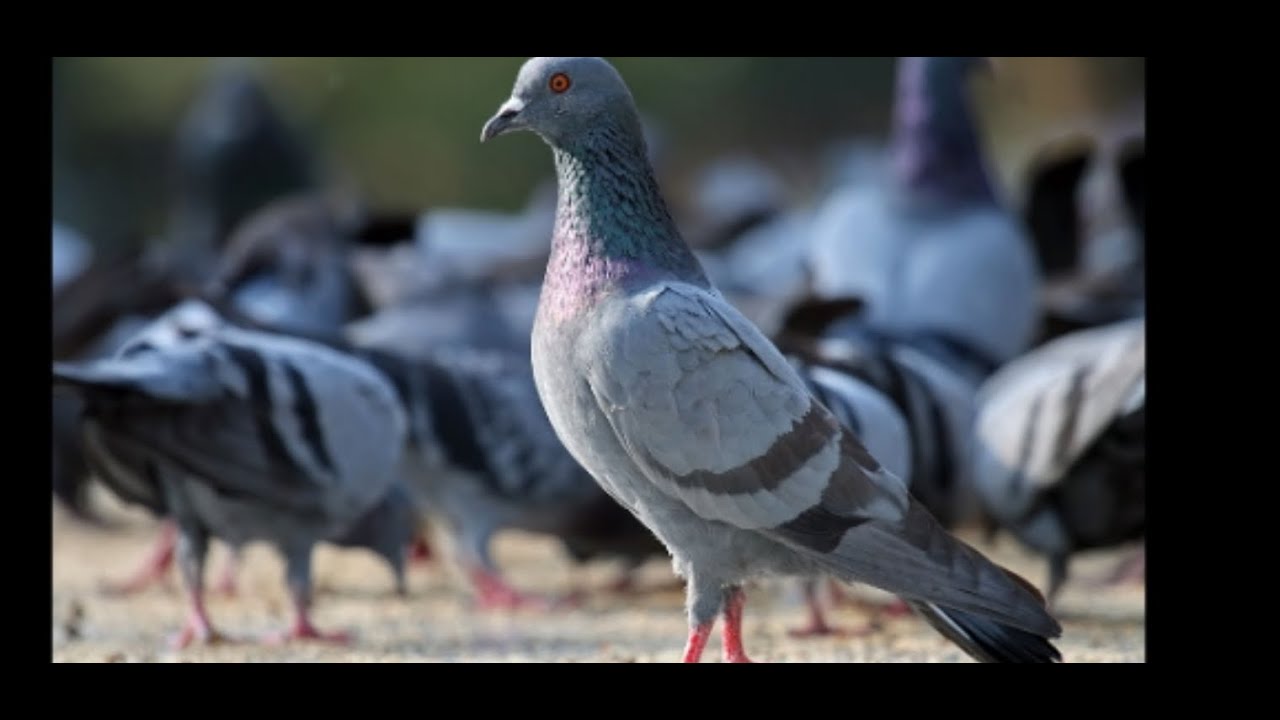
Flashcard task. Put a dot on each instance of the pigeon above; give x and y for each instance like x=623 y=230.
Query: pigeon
x=932 y=252
x=248 y=436
x=286 y=265
x=1060 y=444
x=235 y=150
x=483 y=458
x=691 y=418
x=874 y=418
x=1084 y=209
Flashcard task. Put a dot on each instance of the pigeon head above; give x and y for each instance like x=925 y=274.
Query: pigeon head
x=563 y=98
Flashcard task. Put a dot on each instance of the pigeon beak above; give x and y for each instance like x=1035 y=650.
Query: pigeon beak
x=507 y=119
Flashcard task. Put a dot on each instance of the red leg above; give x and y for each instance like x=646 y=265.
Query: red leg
x=196 y=627
x=734 y=601
x=420 y=551
x=697 y=641
x=226 y=584
x=303 y=629
x=493 y=593
x=817 y=622
x=153 y=569
x=893 y=609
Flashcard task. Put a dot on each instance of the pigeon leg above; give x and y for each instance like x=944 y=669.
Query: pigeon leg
x=704 y=599
x=1057 y=576
x=1132 y=569
x=492 y=591
x=734 y=600
x=698 y=636
x=192 y=547
x=153 y=568
x=226 y=584
x=817 y=621
x=894 y=608
x=298 y=561
x=420 y=552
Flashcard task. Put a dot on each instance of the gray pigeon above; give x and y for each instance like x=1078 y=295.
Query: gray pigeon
x=286 y=265
x=690 y=418
x=234 y=151
x=1060 y=444
x=247 y=436
x=483 y=458
x=932 y=252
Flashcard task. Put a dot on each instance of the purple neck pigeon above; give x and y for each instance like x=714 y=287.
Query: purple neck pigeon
x=691 y=419
x=931 y=252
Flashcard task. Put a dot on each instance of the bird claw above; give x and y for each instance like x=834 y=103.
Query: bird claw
x=194 y=631
x=307 y=632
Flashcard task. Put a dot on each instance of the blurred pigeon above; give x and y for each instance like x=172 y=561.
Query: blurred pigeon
x=932 y=252
x=480 y=315
x=287 y=266
x=483 y=458
x=1085 y=209
x=1060 y=444
x=247 y=436
x=235 y=152
x=689 y=417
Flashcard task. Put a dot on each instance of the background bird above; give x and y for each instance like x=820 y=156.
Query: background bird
x=931 y=252
x=246 y=436
x=1060 y=444
x=694 y=421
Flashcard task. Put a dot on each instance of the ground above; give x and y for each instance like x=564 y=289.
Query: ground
x=436 y=622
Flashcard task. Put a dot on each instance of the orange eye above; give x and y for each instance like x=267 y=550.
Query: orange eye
x=559 y=83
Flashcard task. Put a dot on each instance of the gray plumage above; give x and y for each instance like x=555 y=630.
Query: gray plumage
x=931 y=250
x=483 y=458
x=1060 y=443
x=689 y=417
x=246 y=436
x=286 y=265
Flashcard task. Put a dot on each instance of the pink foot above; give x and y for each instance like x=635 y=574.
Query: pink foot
x=197 y=628
x=420 y=552
x=153 y=569
x=306 y=631
x=493 y=593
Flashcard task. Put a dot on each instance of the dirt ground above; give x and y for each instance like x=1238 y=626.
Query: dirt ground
x=436 y=623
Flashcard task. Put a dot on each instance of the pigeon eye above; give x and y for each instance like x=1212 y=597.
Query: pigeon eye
x=559 y=83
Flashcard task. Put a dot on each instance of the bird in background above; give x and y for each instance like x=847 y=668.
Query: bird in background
x=244 y=436
x=1060 y=444
x=691 y=419
x=931 y=252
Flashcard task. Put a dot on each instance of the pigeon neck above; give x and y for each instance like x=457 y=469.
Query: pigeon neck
x=935 y=148
x=612 y=228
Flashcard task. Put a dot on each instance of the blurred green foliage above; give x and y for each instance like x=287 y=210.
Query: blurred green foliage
x=406 y=130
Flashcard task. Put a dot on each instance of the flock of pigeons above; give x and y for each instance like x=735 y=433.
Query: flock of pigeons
x=801 y=393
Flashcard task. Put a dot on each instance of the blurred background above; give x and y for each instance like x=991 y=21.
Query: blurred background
x=405 y=130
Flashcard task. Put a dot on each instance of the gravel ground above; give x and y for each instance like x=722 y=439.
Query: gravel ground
x=437 y=624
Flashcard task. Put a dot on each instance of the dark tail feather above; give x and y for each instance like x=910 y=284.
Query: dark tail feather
x=987 y=640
